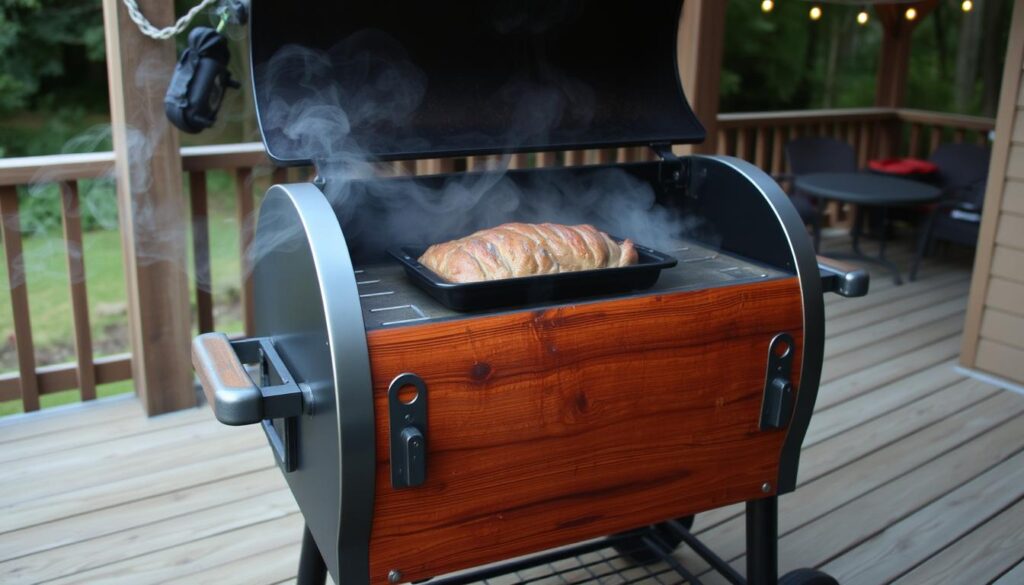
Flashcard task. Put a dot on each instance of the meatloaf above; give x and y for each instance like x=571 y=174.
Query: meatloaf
x=514 y=250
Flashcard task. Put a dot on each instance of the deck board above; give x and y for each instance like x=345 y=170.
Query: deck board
x=903 y=454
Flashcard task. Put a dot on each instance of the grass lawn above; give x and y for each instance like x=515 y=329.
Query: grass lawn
x=49 y=297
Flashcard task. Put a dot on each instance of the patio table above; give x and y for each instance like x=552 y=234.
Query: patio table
x=866 y=190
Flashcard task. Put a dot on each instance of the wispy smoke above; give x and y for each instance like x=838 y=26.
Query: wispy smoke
x=338 y=106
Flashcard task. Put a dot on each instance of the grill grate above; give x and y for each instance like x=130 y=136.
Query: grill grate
x=388 y=297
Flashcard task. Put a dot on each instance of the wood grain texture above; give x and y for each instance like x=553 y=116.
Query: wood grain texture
x=1000 y=359
x=549 y=427
x=1010 y=231
x=217 y=365
x=700 y=46
x=1013 y=195
x=1001 y=167
x=979 y=557
x=151 y=208
x=1005 y=295
x=1003 y=327
x=10 y=226
x=1008 y=263
x=246 y=228
x=71 y=215
x=201 y=250
x=55 y=378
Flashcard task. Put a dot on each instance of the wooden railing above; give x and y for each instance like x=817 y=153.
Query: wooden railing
x=873 y=132
x=757 y=137
x=66 y=171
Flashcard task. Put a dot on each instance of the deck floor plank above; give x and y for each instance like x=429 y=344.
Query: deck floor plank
x=840 y=503
x=980 y=557
x=914 y=538
x=1014 y=576
x=903 y=454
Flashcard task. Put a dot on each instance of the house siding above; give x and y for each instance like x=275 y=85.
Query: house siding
x=994 y=330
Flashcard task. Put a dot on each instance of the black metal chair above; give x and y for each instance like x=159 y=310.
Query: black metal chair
x=962 y=175
x=817 y=155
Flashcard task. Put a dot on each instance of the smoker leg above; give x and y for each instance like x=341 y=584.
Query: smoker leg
x=763 y=541
x=312 y=569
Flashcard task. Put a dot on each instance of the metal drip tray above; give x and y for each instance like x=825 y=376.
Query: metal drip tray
x=390 y=299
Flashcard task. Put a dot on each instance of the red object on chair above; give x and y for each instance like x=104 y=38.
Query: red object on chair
x=902 y=166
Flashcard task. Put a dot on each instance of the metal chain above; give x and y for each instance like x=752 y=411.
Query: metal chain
x=163 y=33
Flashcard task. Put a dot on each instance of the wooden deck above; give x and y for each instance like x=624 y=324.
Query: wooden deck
x=910 y=473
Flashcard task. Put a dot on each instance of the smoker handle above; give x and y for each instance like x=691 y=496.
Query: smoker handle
x=842 y=278
x=235 y=398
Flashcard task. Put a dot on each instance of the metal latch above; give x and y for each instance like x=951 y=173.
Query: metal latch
x=777 y=406
x=407 y=410
x=673 y=172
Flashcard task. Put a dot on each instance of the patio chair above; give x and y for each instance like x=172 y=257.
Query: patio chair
x=817 y=155
x=963 y=171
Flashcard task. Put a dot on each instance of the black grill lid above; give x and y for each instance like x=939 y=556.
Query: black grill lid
x=462 y=77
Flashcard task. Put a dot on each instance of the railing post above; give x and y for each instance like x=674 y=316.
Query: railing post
x=700 y=45
x=10 y=230
x=894 y=61
x=151 y=207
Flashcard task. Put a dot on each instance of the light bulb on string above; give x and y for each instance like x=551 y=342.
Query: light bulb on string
x=862 y=17
x=815 y=13
x=767 y=5
x=967 y=5
x=911 y=13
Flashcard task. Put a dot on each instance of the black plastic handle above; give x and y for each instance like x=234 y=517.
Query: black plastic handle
x=842 y=278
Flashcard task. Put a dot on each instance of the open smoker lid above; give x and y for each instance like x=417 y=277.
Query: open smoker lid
x=392 y=79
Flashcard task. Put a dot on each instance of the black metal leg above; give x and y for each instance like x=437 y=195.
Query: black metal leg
x=857 y=254
x=312 y=569
x=858 y=227
x=763 y=541
x=881 y=248
x=923 y=242
x=819 y=220
x=883 y=238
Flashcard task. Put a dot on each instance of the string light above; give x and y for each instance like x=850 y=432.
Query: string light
x=862 y=17
x=911 y=13
x=768 y=5
x=967 y=5
x=815 y=13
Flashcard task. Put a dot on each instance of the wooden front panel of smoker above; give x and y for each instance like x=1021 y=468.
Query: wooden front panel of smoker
x=553 y=426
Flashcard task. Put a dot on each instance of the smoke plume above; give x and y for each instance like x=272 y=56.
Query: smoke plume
x=318 y=102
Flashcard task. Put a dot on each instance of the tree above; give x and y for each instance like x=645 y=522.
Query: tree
x=47 y=49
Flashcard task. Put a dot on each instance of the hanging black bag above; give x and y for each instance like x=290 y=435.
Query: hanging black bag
x=200 y=79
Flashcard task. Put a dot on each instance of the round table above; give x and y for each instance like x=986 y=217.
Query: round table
x=865 y=190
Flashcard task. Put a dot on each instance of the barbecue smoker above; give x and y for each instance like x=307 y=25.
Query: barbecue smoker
x=421 y=441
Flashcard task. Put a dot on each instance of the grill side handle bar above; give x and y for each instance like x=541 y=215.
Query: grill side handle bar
x=842 y=278
x=235 y=398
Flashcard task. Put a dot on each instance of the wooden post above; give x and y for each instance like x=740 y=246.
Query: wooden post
x=894 y=61
x=700 y=46
x=894 y=66
x=151 y=207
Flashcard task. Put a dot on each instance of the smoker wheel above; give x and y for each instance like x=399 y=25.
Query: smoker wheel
x=637 y=551
x=807 y=577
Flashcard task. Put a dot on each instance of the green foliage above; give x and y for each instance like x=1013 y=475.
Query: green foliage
x=41 y=43
x=781 y=60
x=764 y=54
x=39 y=207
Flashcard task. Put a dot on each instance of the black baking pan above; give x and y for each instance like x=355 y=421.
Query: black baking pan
x=526 y=290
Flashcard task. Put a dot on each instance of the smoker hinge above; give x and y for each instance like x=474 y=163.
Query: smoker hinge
x=407 y=415
x=673 y=172
x=777 y=406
